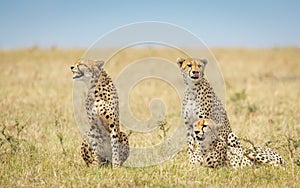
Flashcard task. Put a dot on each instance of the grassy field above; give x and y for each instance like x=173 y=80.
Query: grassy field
x=40 y=141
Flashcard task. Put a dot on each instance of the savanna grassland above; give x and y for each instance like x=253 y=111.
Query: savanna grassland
x=40 y=142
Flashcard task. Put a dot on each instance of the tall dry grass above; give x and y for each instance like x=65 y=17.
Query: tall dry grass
x=40 y=143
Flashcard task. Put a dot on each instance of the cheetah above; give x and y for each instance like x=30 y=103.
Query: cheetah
x=104 y=143
x=210 y=150
x=213 y=151
x=200 y=101
x=201 y=105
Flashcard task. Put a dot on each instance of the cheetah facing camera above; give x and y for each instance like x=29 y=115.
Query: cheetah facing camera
x=104 y=143
x=200 y=101
x=213 y=145
x=212 y=151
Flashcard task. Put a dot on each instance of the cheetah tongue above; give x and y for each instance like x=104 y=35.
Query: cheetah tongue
x=196 y=75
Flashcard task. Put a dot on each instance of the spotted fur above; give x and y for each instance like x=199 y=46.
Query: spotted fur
x=200 y=101
x=210 y=150
x=211 y=141
x=265 y=155
x=104 y=143
x=213 y=151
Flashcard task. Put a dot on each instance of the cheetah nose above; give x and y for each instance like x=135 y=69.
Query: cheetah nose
x=195 y=73
x=197 y=132
x=72 y=67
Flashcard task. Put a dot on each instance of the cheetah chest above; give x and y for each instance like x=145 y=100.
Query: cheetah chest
x=192 y=110
x=98 y=136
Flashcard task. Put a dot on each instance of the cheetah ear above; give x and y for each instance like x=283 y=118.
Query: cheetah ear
x=213 y=125
x=180 y=61
x=199 y=123
x=99 y=64
x=204 y=61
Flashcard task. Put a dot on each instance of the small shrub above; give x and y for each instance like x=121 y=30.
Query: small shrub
x=162 y=126
x=10 y=140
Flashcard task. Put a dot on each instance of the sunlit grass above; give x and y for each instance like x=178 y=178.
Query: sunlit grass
x=40 y=142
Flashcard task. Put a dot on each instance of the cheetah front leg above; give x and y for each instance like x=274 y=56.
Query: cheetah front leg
x=88 y=154
x=116 y=146
x=125 y=150
x=191 y=144
x=105 y=112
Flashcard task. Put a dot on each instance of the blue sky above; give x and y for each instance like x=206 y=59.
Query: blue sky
x=219 y=23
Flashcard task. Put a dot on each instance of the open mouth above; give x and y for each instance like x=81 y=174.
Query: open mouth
x=195 y=76
x=200 y=138
x=79 y=74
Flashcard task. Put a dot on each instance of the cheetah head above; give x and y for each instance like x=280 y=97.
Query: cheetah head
x=84 y=69
x=192 y=68
x=205 y=130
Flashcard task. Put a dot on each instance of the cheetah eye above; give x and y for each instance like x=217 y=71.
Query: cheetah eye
x=204 y=125
x=199 y=66
x=189 y=65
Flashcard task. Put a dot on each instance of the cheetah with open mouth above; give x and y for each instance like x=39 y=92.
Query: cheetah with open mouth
x=104 y=143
